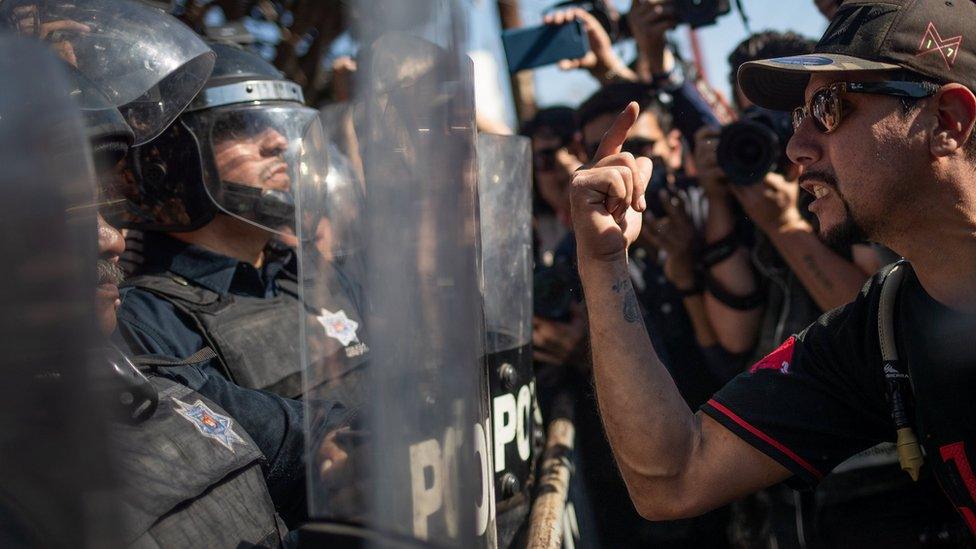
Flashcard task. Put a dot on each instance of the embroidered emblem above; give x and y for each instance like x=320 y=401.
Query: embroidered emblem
x=778 y=360
x=805 y=60
x=338 y=326
x=932 y=41
x=209 y=423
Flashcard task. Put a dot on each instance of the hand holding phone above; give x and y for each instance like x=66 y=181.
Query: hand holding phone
x=533 y=47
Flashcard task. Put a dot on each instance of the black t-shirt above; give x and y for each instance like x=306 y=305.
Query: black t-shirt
x=820 y=397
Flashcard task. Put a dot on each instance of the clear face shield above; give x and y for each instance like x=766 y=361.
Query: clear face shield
x=256 y=157
x=147 y=63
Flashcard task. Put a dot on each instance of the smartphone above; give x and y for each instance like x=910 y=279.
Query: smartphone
x=533 y=47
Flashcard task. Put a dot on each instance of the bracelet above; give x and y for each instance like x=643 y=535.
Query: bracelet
x=697 y=289
x=717 y=252
x=739 y=303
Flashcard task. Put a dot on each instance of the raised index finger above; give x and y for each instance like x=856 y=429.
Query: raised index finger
x=614 y=139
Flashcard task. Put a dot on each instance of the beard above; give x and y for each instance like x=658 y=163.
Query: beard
x=848 y=231
x=845 y=234
x=109 y=272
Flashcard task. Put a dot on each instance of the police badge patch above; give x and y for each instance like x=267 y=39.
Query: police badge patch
x=209 y=423
x=338 y=326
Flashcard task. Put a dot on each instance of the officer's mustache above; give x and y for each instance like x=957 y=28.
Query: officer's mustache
x=109 y=272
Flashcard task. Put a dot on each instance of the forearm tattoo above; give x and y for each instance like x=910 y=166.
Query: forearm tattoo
x=817 y=272
x=631 y=310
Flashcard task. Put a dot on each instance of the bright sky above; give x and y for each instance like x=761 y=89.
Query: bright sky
x=557 y=87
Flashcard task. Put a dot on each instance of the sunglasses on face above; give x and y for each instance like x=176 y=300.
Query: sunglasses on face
x=544 y=160
x=637 y=146
x=827 y=107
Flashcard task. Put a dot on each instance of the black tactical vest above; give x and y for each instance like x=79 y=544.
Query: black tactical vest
x=191 y=477
x=258 y=341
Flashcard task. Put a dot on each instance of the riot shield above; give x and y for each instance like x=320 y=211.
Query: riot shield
x=414 y=467
x=54 y=458
x=504 y=188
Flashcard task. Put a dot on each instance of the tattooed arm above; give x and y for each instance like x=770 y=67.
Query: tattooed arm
x=773 y=205
x=676 y=463
x=830 y=279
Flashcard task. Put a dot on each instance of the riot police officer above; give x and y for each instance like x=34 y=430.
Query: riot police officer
x=214 y=195
x=189 y=471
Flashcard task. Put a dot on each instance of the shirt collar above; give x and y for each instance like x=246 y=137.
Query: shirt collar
x=208 y=269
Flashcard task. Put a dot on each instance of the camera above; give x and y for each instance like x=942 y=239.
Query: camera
x=755 y=145
x=700 y=13
x=697 y=13
x=553 y=291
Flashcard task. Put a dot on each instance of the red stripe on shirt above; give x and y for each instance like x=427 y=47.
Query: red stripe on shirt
x=766 y=438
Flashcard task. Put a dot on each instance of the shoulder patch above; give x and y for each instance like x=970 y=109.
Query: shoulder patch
x=780 y=360
x=209 y=423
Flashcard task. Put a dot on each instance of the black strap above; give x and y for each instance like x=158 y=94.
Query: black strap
x=739 y=303
x=717 y=252
x=202 y=355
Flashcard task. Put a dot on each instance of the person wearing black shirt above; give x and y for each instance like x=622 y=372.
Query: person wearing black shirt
x=884 y=119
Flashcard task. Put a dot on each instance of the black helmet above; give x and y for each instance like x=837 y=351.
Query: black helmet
x=145 y=62
x=240 y=149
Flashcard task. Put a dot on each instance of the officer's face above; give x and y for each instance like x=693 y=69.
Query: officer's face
x=254 y=160
x=110 y=248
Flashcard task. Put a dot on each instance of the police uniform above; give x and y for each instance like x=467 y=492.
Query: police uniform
x=183 y=298
x=194 y=474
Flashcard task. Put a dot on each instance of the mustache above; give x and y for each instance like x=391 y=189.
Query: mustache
x=821 y=176
x=109 y=272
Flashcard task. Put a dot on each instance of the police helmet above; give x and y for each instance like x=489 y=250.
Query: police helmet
x=239 y=149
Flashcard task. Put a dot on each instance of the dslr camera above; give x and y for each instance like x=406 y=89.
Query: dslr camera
x=755 y=145
x=697 y=13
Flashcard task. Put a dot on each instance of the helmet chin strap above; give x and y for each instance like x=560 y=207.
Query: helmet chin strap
x=267 y=207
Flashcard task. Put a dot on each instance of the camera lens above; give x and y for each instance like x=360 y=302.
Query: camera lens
x=754 y=146
x=747 y=151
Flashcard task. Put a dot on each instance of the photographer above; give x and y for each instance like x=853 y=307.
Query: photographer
x=649 y=21
x=800 y=276
x=884 y=133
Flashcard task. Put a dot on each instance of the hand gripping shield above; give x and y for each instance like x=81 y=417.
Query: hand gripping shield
x=54 y=458
x=416 y=466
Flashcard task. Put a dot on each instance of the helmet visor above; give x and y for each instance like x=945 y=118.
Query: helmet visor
x=256 y=157
x=146 y=62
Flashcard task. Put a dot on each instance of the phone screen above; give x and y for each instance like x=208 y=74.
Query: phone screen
x=533 y=47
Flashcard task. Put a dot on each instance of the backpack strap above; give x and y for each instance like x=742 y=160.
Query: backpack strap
x=898 y=383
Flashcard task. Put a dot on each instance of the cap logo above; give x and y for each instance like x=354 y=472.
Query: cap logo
x=804 y=60
x=932 y=42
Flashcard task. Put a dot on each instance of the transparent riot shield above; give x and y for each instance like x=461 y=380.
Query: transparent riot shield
x=414 y=466
x=504 y=188
x=54 y=459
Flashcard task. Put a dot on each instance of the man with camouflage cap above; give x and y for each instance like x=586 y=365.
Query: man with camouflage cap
x=884 y=117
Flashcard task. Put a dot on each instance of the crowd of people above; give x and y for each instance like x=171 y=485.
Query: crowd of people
x=725 y=269
x=736 y=304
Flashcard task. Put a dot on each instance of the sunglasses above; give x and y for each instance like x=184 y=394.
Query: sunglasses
x=544 y=160
x=827 y=107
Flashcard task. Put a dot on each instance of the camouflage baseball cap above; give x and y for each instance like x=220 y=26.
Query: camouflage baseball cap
x=932 y=38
